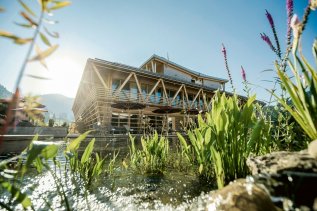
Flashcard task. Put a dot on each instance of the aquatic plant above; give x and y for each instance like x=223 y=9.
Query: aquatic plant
x=198 y=151
x=43 y=156
x=226 y=136
x=153 y=157
x=37 y=154
x=86 y=166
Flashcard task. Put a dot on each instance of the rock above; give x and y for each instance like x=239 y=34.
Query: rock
x=239 y=195
x=312 y=149
x=287 y=175
x=277 y=162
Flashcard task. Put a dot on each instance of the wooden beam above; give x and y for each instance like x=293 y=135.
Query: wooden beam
x=165 y=93
x=138 y=85
x=204 y=99
x=186 y=94
x=175 y=95
x=152 y=90
x=152 y=65
x=196 y=97
x=100 y=77
x=123 y=84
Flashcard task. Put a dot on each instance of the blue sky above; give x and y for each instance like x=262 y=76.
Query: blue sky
x=129 y=32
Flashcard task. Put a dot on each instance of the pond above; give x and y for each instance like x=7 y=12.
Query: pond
x=124 y=189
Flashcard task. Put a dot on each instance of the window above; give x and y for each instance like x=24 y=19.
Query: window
x=158 y=95
x=144 y=90
x=115 y=84
x=133 y=91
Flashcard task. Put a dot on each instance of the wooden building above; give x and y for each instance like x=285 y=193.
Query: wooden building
x=160 y=94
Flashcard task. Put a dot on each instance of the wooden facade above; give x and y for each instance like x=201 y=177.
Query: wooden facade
x=117 y=98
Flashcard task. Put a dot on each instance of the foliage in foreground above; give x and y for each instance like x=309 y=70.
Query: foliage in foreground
x=68 y=184
x=286 y=133
x=153 y=157
x=302 y=92
x=226 y=137
x=87 y=167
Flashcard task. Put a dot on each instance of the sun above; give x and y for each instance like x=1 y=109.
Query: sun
x=65 y=74
x=62 y=77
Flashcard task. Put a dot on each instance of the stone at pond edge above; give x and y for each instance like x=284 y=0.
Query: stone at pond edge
x=239 y=195
x=287 y=175
x=312 y=149
x=277 y=162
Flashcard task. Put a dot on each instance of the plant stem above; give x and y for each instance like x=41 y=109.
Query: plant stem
x=23 y=67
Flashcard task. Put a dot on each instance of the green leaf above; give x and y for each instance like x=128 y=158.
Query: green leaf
x=27 y=8
x=74 y=144
x=15 y=38
x=16 y=193
x=7 y=35
x=38 y=77
x=33 y=152
x=183 y=142
x=45 y=40
x=52 y=34
x=208 y=135
x=88 y=151
x=27 y=17
x=218 y=167
x=24 y=25
x=201 y=167
x=42 y=55
x=50 y=151
x=59 y=5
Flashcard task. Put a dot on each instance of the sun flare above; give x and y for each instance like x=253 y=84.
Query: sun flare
x=63 y=76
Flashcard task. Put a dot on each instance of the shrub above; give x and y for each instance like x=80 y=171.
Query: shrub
x=51 y=122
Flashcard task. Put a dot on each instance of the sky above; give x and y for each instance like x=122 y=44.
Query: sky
x=190 y=32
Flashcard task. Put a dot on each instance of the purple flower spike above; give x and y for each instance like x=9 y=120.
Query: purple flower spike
x=277 y=50
x=270 y=18
x=224 y=51
x=244 y=77
x=268 y=41
x=290 y=9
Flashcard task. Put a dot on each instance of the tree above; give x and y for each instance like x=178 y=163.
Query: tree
x=51 y=122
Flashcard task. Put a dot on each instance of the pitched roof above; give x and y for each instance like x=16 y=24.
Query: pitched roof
x=197 y=74
x=148 y=73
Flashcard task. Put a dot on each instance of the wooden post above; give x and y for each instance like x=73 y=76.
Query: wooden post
x=165 y=92
x=139 y=86
x=186 y=94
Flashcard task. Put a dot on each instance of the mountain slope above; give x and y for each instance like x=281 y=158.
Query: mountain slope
x=59 y=105
x=4 y=93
